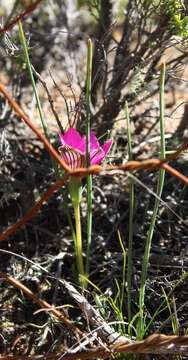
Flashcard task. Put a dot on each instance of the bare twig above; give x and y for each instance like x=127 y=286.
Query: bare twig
x=40 y=136
x=50 y=99
x=154 y=344
x=104 y=331
x=33 y=211
x=63 y=96
x=42 y=303
x=25 y=13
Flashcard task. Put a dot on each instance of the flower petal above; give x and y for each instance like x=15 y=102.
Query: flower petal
x=96 y=156
x=94 y=144
x=73 y=139
x=106 y=147
x=73 y=149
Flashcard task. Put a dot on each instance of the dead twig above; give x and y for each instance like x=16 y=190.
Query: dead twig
x=103 y=329
x=154 y=344
x=150 y=164
x=33 y=211
x=50 y=99
x=40 y=136
x=42 y=303
x=25 y=13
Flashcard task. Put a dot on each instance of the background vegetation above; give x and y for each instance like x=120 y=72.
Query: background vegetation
x=128 y=261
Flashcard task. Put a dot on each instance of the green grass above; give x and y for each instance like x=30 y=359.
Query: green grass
x=131 y=215
x=88 y=130
x=173 y=313
x=141 y=320
x=30 y=71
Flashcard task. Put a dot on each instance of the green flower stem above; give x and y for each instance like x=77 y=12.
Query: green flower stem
x=160 y=183
x=131 y=215
x=75 y=190
x=29 y=67
x=89 y=177
x=88 y=99
x=78 y=242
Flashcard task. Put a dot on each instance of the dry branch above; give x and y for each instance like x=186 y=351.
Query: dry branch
x=44 y=304
x=154 y=344
x=25 y=13
x=34 y=210
x=92 y=315
x=40 y=136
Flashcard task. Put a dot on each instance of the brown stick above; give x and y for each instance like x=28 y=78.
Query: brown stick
x=154 y=344
x=42 y=303
x=33 y=211
x=40 y=136
x=150 y=164
x=25 y=13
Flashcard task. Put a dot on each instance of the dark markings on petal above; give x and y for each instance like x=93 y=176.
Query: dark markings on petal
x=72 y=157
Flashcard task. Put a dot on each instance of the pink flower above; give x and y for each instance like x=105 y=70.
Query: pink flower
x=73 y=149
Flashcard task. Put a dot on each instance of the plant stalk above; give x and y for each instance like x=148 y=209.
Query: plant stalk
x=141 y=322
x=131 y=214
x=78 y=242
x=89 y=177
